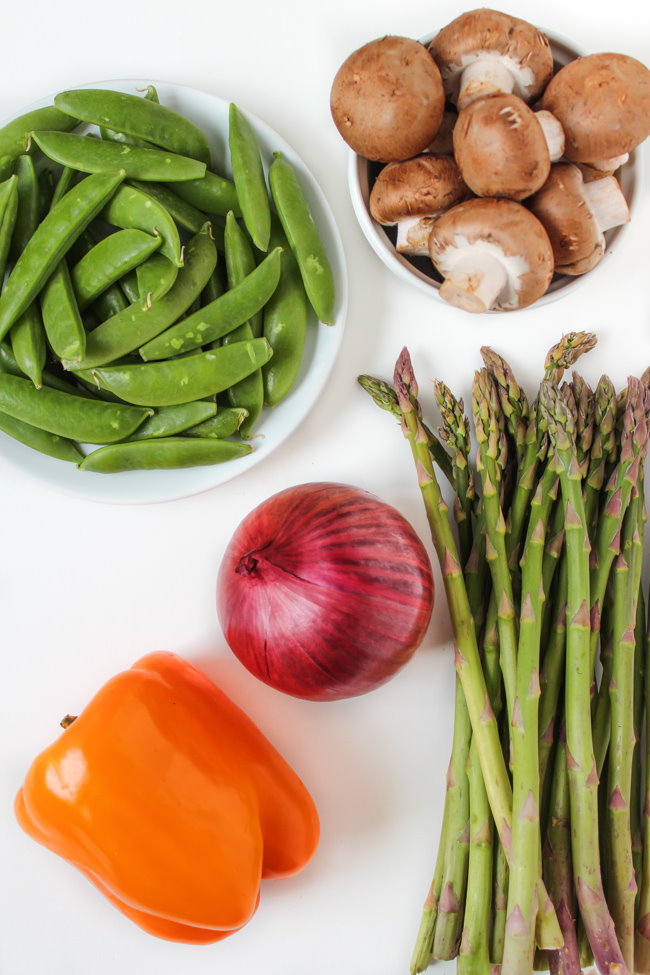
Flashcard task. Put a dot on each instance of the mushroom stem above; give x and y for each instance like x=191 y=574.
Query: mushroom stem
x=607 y=202
x=553 y=133
x=413 y=235
x=474 y=281
x=487 y=75
x=612 y=164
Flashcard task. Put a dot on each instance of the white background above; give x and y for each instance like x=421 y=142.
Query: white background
x=86 y=588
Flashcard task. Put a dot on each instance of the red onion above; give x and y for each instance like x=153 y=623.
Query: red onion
x=324 y=591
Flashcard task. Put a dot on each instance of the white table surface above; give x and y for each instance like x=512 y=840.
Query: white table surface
x=86 y=588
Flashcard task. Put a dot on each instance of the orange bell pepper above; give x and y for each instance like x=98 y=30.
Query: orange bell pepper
x=171 y=801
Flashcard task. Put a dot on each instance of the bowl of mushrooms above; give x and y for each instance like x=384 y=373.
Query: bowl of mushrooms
x=492 y=164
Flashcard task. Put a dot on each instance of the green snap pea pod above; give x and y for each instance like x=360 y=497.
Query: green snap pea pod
x=215 y=320
x=41 y=440
x=210 y=194
x=9 y=365
x=97 y=156
x=248 y=177
x=136 y=325
x=226 y=422
x=304 y=240
x=109 y=260
x=249 y=393
x=8 y=212
x=132 y=207
x=184 y=214
x=29 y=203
x=139 y=117
x=27 y=334
x=50 y=242
x=155 y=277
x=29 y=345
x=110 y=302
x=183 y=380
x=6 y=167
x=61 y=316
x=214 y=288
x=14 y=137
x=46 y=187
x=169 y=420
x=129 y=285
x=286 y=314
x=74 y=417
x=165 y=453
x=65 y=182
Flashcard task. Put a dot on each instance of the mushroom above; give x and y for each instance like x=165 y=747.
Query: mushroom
x=412 y=194
x=502 y=148
x=444 y=139
x=484 y=52
x=492 y=253
x=603 y=104
x=576 y=214
x=387 y=99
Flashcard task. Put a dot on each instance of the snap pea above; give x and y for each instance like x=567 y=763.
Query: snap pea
x=27 y=334
x=169 y=420
x=41 y=440
x=151 y=94
x=61 y=316
x=185 y=215
x=248 y=177
x=28 y=344
x=110 y=302
x=135 y=325
x=226 y=422
x=249 y=392
x=139 y=117
x=132 y=207
x=29 y=203
x=9 y=365
x=14 y=137
x=285 y=324
x=8 y=212
x=210 y=194
x=304 y=240
x=162 y=454
x=155 y=277
x=97 y=156
x=6 y=167
x=214 y=288
x=65 y=182
x=73 y=417
x=108 y=260
x=50 y=241
x=218 y=318
x=129 y=285
x=183 y=380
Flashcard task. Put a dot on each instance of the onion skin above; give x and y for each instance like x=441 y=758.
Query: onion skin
x=324 y=591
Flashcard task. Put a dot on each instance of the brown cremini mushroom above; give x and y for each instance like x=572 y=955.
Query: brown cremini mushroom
x=412 y=194
x=387 y=99
x=492 y=254
x=484 y=52
x=502 y=147
x=603 y=104
x=576 y=214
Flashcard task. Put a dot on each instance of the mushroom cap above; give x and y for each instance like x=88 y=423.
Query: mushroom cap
x=500 y=147
x=484 y=31
x=387 y=99
x=603 y=103
x=572 y=228
x=506 y=229
x=420 y=187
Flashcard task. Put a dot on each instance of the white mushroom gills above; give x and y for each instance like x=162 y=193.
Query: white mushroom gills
x=487 y=73
x=607 y=203
x=553 y=133
x=479 y=275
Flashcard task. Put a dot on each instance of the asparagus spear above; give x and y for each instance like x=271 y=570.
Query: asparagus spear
x=642 y=932
x=583 y=779
x=468 y=664
x=455 y=434
x=473 y=958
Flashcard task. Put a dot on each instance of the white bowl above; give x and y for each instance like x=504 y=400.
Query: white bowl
x=321 y=348
x=419 y=271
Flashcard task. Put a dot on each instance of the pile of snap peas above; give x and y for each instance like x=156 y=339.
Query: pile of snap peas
x=150 y=307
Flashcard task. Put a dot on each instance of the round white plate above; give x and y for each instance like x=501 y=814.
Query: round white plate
x=323 y=341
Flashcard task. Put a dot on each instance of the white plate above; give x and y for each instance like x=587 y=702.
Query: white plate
x=275 y=425
x=419 y=271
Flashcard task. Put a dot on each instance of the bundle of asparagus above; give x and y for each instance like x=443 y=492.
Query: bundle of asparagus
x=544 y=854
